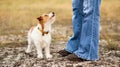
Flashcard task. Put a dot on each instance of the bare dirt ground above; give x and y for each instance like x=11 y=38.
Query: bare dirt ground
x=13 y=56
x=16 y=57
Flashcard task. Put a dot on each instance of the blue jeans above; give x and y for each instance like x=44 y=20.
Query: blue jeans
x=86 y=24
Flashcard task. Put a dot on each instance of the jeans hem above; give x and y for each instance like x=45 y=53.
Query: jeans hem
x=83 y=57
x=68 y=50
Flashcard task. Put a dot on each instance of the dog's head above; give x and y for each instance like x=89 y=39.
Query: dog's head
x=47 y=18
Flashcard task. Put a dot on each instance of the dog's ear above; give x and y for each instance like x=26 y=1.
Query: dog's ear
x=40 y=18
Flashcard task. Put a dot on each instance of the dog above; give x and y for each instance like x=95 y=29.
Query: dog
x=40 y=35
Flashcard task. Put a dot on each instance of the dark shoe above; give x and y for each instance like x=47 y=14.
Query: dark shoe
x=64 y=53
x=73 y=57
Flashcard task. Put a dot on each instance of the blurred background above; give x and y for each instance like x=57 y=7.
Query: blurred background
x=17 y=16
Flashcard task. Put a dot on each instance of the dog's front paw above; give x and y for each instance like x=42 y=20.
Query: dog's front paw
x=27 y=51
x=40 y=56
x=49 y=56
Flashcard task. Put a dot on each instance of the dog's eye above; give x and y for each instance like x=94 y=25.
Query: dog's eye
x=45 y=15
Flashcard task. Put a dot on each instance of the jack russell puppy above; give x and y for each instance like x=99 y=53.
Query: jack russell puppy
x=40 y=35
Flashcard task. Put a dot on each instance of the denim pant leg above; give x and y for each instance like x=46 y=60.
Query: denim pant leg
x=88 y=47
x=73 y=42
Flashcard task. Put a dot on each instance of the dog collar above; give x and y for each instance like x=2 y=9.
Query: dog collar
x=43 y=32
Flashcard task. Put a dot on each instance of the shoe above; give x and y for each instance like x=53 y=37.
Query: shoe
x=64 y=53
x=73 y=57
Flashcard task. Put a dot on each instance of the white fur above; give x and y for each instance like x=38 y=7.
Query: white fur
x=41 y=42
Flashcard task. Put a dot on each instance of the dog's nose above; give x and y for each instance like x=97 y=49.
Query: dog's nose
x=53 y=13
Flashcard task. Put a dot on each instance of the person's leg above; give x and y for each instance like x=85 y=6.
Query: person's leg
x=88 y=48
x=73 y=43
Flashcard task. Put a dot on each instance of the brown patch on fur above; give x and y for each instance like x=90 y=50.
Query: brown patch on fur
x=42 y=20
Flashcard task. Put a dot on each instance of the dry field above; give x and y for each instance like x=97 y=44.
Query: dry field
x=21 y=14
x=17 y=16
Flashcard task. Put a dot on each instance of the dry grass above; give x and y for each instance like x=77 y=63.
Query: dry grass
x=113 y=46
x=110 y=9
x=16 y=16
x=21 y=14
x=110 y=18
